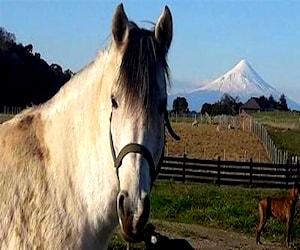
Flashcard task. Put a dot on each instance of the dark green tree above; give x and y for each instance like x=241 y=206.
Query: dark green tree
x=7 y=39
x=227 y=105
x=283 y=103
x=206 y=108
x=272 y=102
x=26 y=78
x=180 y=105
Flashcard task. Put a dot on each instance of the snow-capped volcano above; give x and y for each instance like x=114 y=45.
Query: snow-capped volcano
x=242 y=81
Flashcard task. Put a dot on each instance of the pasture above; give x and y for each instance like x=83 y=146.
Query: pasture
x=284 y=129
x=284 y=120
x=205 y=142
x=231 y=208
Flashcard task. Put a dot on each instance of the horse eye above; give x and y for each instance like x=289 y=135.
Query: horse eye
x=114 y=103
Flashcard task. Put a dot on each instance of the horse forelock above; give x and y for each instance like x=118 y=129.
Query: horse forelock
x=143 y=62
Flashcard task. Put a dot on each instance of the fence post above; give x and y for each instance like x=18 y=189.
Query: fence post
x=183 y=167
x=287 y=175
x=219 y=172
x=250 y=174
x=298 y=169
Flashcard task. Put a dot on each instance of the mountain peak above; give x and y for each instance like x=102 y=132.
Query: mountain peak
x=241 y=80
x=243 y=65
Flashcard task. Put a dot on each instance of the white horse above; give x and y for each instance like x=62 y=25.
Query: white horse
x=74 y=167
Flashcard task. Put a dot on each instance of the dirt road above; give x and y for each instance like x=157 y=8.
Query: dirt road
x=205 y=238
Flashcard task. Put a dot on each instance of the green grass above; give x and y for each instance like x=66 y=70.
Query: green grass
x=230 y=208
x=288 y=118
x=284 y=129
x=287 y=140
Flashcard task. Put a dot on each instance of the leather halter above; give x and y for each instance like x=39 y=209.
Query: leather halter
x=140 y=149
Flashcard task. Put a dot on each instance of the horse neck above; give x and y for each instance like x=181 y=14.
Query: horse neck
x=77 y=132
x=77 y=95
x=80 y=104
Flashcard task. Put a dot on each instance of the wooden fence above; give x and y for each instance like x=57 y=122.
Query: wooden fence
x=250 y=174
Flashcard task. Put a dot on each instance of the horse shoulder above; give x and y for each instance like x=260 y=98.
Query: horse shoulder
x=22 y=140
x=29 y=206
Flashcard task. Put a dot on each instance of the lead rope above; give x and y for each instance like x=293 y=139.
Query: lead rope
x=169 y=127
x=173 y=135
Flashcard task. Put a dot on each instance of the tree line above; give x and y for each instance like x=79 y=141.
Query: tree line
x=25 y=78
x=228 y=105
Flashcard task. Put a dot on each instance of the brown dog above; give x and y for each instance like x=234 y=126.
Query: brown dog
x=282 y=209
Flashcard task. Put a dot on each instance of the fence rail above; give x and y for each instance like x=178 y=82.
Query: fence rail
x=250 y=173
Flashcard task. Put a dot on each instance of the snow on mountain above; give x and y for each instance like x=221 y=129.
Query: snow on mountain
x=242 y=81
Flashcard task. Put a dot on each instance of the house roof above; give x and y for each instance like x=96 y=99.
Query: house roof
x=256 y=103
x=251 y=104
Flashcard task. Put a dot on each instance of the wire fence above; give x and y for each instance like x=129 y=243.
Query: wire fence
x=246 y=123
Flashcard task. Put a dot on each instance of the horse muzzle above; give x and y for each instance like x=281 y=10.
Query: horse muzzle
x=132 y=218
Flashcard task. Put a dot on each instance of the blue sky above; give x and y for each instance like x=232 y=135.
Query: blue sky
x=210 y=37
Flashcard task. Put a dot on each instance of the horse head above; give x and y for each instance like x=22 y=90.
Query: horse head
x=138 y=106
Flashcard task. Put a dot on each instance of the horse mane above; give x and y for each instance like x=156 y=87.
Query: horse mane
x=139 y=67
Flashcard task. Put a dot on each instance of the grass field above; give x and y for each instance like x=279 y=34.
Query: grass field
x=286 y=140
x=231 y=208
x=282 y=120
x=284 y=129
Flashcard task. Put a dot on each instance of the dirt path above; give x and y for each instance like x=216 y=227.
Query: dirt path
x=209 y=238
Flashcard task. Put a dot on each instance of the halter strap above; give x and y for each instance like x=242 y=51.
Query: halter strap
x=136 y=148
x=140 y=149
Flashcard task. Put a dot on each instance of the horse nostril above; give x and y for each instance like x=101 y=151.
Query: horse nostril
x=123 y=195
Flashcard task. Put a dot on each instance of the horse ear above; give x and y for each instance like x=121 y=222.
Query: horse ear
x=120 y=25
x=164 y=29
